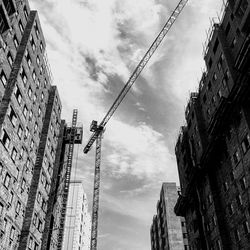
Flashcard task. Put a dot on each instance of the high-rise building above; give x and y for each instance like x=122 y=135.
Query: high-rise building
x=168 y=230
x=78 y=222
x=212 y=150
x=33 y=139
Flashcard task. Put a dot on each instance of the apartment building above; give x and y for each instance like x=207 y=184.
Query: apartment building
x=78 y=220
x=168 y=231
x=32 y=135
x=212 y=150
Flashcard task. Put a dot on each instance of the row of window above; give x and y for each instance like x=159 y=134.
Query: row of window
x=7 y=183
x=245 y=145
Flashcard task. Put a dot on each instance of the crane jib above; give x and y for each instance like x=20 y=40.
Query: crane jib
x=98 y=130
x=138 y=69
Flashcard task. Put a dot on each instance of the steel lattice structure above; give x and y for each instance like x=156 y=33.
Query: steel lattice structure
x=98 y=129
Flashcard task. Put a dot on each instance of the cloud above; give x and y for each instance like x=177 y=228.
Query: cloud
x=138 y=150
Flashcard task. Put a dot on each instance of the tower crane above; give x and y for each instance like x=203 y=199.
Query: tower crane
x=98 y=130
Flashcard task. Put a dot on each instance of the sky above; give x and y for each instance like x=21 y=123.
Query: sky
x=93 y=46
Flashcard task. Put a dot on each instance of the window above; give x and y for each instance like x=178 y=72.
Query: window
x=236 y=157
x=239 y=200
x=23 y=184
x=39 y=111
x=214 y=221
x=36 y=127
x=185 y=235
x=225 y=186
x=210 y=63
x=45 y=82
x=44 y=205
x=3 y=78
x=230 y=209
x=209 y=199
x=30 y=115
x=233 y=43
x=237 y=235
x=25 y=12
x=18 y=95
x=35 y=219
x=42 y=96
x=3 y=21
x=34 y=98
x=47 y=186
x=38 y=83
x=20 y=26
x=50 y=169
x=37 y=30
x=10 y=59
x=214 y=99
x=218 y=245
x=5 y=140
x=28 y=58
x=12 y=233
x=224 y=82
x=40 y=224
x=30 y=92
x=219 y=64
x=215 y=77
x=27 y=133
x=245 y=143
x=18 y=207
x=216 y=44
x=219 y=94
x=34 y=75
x=36 y=246
x=13 y=154
x=31 y=243
x=22 y=152
x=7 y=180
x=37 y=60
x=209 y=85
x=227 y=29
x=5 y=224
x=16 y=43
x=12 y=116
x=32 y=43
x=25 y=111
x=1 y=208
x=246 y=227
x=41 y=46
x=208 y=112
x=204 y=98
x=23 y=76
x=11 y=198
x=39 y=197
x=243 y=183
x=43 y=178
x=227 y=75
x=32 y=145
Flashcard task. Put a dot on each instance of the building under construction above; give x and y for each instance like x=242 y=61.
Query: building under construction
x=212 y=150
x=36 y=147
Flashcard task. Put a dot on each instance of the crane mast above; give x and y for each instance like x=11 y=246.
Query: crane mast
x=99 y=129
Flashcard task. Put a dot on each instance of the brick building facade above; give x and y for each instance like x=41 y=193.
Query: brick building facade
x=212 y=150
x=33 y=139
x=168 y=231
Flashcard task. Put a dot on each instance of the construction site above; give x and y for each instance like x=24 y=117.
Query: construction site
x=130 y=155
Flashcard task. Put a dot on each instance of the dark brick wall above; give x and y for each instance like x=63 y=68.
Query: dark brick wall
x=215 y=198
